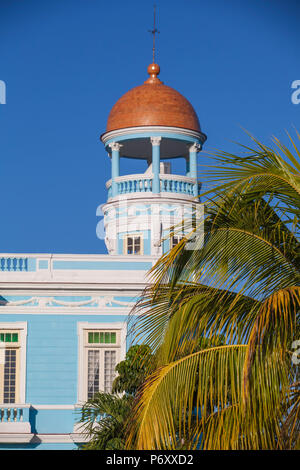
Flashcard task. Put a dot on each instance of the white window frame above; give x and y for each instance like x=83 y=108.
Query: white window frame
x=82 y=328
x=180 y=237
x=133 y=235
x=21 y=328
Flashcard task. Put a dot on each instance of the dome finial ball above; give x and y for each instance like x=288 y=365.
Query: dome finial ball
x=153 y=69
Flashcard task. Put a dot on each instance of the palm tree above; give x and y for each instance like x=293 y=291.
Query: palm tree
x=242 y=283
x=103 y=418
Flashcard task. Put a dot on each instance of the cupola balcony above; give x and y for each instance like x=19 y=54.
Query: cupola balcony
x=142 y=184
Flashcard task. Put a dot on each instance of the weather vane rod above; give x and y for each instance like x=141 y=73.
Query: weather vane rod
x=154 y=31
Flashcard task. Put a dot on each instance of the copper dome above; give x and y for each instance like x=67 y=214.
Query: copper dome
x=152 y=104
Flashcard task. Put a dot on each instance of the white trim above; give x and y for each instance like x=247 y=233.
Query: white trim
x=49 y=301
x=69 y=256
x=22 y=327
x=142 y=129
x=15 y=438
x=21 y=438
x=61 y=292
x=70 y=286
x=53 y=407
x=15 y=428
x=51 y=438
x=81 y=327
x=133 y=235
x=66 y=311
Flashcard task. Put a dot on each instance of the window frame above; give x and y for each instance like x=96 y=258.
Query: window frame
x=83 y=329
x=21 y=329
x=133 y=235
x=180 y=237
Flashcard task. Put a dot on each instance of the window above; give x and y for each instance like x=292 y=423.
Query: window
x=12 y=363
x=133 y=245
x=175 y=240
x=101 y=347
x=101 y=361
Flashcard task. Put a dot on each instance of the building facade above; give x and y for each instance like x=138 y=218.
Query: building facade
x=63 y=318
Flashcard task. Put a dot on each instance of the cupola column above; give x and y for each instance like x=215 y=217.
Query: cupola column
x=115 y=166
x=187 y=166
x=155 y=141
x=194 y=149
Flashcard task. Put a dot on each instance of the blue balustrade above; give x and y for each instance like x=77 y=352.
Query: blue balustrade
x=13 y=264
x=14 y=414
x=142 y=184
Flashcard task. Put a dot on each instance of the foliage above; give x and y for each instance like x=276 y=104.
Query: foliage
x=104 y=417
x=132 y=371
x=243 y=283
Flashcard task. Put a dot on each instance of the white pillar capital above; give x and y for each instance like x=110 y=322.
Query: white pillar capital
x=115 y=146
x=155 y=140
x=195 y=147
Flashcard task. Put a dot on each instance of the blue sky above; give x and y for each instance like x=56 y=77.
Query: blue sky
x=66 y=62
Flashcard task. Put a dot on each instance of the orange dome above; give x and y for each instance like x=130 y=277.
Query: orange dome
x=152 y=104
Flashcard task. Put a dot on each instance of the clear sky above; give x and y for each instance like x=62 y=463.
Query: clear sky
x=66 y=62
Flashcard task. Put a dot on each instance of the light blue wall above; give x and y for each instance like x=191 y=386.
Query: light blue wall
x=52 y=366
x=53 y=421
x=42 y=446
x=103 y=265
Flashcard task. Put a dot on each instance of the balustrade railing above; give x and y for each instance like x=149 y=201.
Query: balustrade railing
x=14 y=414
x=143 y=184
x=13 y=264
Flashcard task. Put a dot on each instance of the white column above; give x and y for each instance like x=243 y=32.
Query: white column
x=115 y=166
x=194 y=149
x=156 y=163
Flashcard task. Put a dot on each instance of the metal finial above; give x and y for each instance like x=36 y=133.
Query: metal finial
x=154 y=31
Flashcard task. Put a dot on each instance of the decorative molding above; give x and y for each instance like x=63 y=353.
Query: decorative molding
x=188 y=133
x=115 y=146
x=195 y=147
x=85 y=311
x=99 y=302
x=155 y=141
x=53 y=407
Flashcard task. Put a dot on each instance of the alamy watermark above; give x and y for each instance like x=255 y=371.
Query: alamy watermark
x=296 y=353
x=2 y=92
x=295 y=97
x=156 y=221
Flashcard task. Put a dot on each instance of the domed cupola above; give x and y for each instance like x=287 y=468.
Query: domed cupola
x=155 y=123
x=153 y=104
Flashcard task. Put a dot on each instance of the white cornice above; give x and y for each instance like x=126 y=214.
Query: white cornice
x=10 y=287
x=53 y=407
x=16 y=438
x=76 y=257
x=110 y=311
x=150 y=129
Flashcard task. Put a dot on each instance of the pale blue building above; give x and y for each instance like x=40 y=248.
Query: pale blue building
x=63 y=318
